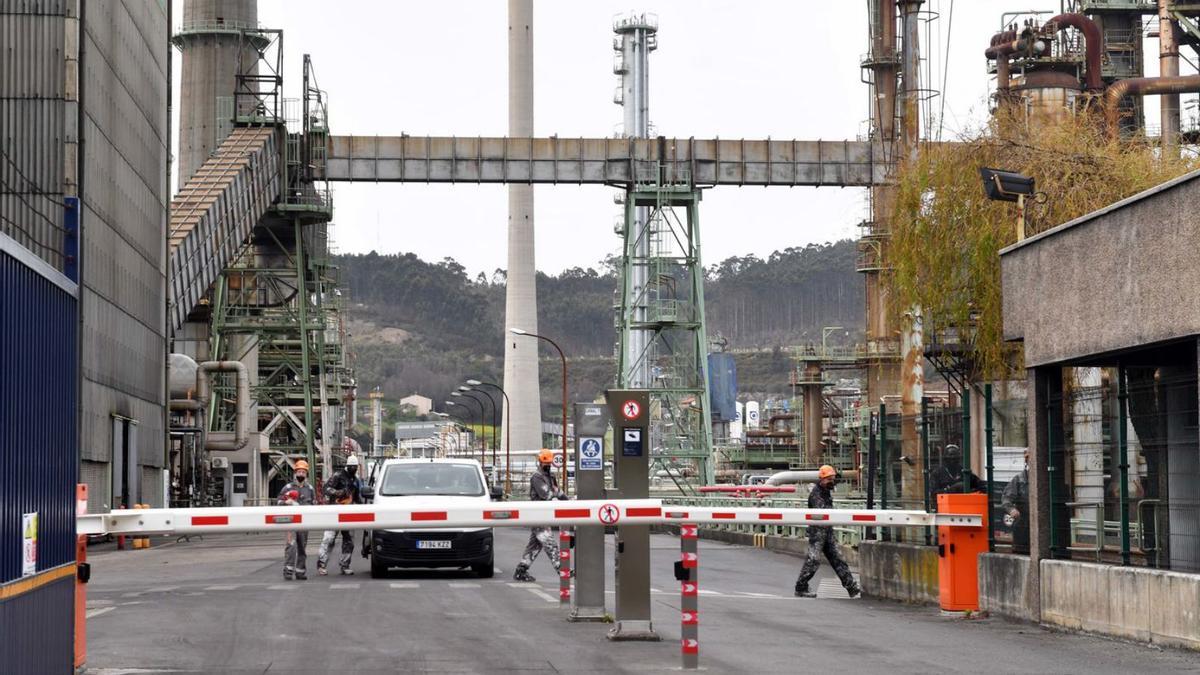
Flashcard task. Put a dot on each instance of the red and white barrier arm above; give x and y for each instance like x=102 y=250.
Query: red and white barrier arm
x=371 y=517
x=495 y=514
x=826 y=517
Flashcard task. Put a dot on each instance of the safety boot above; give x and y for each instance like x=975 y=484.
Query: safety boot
x=301 y=577
x=803 y=592
x=854 y=591
x=287 y=575
x=522 y=574
x=347 y=572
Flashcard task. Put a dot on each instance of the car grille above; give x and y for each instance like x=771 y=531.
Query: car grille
x=404 y=545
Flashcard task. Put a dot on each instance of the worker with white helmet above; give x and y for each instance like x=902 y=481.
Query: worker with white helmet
x=821 y=540
x=297 y=492
x=344 y=487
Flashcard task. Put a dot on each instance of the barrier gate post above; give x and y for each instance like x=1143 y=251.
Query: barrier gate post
x=630 y=411
x=689 y=596
x=588 y=601
x=564 y=567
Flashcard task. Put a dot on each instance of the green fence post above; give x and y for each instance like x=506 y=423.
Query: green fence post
x=966 y=433
x=1123 y=448
x=925 y=463
x=987 y=440
x=883 y=464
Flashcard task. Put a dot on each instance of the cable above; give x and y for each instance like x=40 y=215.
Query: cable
x=8 y=189
x=946 y=70
x=34 y=186
x=32 y=239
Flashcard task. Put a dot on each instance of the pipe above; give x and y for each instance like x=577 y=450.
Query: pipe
x=810 y=476
x=1093 y=43
x=204 y=394
x=1168 y=66
x=1143 y=86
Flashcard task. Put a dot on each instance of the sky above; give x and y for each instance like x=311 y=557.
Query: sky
x=729 y=69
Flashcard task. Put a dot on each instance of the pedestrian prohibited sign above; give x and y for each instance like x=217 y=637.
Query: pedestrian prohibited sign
x=609 y=514
x=591 y=454
x=631 y=410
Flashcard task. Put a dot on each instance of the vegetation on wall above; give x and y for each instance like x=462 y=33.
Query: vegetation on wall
x=947 y=236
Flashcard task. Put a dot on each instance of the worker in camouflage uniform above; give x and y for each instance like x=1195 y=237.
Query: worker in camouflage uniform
x=542 y=487
x=344 y=487
x=821 y=540
x=297 y=492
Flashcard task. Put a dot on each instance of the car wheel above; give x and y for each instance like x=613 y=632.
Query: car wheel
x=486 y=570
x=378 y=570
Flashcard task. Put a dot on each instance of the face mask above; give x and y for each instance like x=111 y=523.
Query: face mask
x=351 y=470
x=300 y=478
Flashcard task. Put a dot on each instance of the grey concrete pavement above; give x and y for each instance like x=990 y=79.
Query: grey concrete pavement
x=221 y=606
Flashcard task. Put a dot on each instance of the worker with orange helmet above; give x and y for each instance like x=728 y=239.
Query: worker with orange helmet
x=542 y=487
x=297 y=492
x=821 y=540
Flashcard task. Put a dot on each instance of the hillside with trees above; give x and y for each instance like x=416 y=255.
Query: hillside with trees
x=419 y=326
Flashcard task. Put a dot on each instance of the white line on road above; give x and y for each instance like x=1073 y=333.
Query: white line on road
x=93 y=613
x=536 y=590
x=523 y=584
x=221 y=588
x=133 y=594
x=463 y=585
x=405 y=584
x=282 y=587
x=162 y=589
x=345 y=586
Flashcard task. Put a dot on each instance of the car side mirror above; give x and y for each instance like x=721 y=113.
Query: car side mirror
x=368 y=493
x=497 y=493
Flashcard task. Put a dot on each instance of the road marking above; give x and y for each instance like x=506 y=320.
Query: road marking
x=463 y=585
x=133 y=594
x=523 y=584
x=221 y=588
x=345 y=586
x=405 y=584
x=162 y=589
x=537 y=590
x=92 y=613
x=758 y=595
x=282 y=587
x=704 y=592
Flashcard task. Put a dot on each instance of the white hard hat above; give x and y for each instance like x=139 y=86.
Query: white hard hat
x=352 y=461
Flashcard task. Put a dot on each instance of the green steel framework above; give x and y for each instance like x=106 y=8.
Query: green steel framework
x=676 y=352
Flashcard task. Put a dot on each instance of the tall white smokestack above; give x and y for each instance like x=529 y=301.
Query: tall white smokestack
x=520 y=300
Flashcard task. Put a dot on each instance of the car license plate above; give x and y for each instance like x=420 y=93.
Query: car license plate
x=433 y=543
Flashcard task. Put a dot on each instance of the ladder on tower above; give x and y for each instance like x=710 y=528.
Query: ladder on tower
x=214 y=213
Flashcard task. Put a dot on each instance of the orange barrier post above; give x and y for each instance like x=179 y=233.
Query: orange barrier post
x=958 y=553
x=82 y=574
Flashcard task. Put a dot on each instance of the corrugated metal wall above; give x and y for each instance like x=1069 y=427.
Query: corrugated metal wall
x=38 y=325
x=38 y=630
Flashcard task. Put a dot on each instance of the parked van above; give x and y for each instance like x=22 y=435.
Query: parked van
x=433 y=483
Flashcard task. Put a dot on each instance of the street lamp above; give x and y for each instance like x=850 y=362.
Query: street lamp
x=467 y=391
x=482 y=439
x=507 y=432
x=518 y=331
x=1008 y=186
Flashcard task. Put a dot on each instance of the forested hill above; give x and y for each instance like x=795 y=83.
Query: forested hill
x=415 y=320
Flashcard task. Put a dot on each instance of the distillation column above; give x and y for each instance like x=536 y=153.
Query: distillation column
x=520 y=299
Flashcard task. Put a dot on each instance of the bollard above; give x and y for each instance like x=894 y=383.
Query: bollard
x=689 y=596
x=564 y=567
x=82 y=575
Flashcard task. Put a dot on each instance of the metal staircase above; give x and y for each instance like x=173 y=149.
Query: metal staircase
x=213 y=215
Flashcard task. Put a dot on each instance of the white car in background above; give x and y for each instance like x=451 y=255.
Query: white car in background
x=433 y=483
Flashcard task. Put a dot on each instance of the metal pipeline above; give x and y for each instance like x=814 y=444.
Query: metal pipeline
x=1003 y=46
x=810 y=476
x=1143 y=86
x=1093 y=43
x=204 y=393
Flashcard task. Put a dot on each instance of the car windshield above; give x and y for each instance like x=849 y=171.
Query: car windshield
x=460 y=480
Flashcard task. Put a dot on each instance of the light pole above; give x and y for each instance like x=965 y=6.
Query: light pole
x=507 y=433
x=519 y=331
x=466 y=417
x=495 y=416
x=467 y=391
x=482 y=439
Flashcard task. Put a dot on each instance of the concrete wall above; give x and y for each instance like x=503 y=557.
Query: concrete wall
x=1005 y=586
x=1127 y=256
x=905 y=572
x=1136 y=603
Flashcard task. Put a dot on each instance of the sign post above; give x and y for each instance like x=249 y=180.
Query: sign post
x=591 y=423
x=630 y=411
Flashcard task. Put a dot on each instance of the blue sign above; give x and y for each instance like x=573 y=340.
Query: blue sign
x=591 y=454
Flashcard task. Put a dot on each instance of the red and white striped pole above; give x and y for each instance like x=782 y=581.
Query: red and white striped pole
x=689 y=596
x=564 y=567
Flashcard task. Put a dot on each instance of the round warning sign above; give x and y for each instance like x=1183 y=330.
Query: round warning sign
x=609 y=514
x=631 y=410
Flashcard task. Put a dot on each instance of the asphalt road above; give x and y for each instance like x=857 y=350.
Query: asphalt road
x=221 y=606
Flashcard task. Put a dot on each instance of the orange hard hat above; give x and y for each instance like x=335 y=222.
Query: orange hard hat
x=826 y=471
x=301 y=464
x=546 y=457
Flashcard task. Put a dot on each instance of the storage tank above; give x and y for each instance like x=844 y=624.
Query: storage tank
x=181 y=377
x=752 y=414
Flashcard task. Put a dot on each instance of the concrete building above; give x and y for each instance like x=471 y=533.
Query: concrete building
x=421 y=404
x=83 y=107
